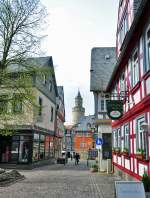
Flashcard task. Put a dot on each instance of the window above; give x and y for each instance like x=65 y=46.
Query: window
x=148 y=49
x=119 y=137
x=52 y=112
x=40 y=106
x=115 y=139
x=122 y=82
x=135 y=68
x=17 y=104
x=83 y=145
x=35 y=155
x=141 y=144
x=102 y=105
x=50 y=85
x=44 y=79
x=3 y=104
x=126 y=136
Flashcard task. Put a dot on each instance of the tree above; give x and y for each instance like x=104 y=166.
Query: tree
x=21 y=22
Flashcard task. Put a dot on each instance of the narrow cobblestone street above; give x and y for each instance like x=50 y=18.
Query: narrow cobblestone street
x=59 y=181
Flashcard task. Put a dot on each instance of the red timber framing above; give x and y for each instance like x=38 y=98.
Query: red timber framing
x=137 y=111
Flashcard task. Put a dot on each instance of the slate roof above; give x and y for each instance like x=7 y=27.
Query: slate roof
x=84 y=122
x=103 y=60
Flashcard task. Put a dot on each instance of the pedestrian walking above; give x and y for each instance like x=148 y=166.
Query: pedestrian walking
x=77 y=157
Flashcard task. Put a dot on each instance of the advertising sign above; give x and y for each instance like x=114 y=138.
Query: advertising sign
x=114 y=109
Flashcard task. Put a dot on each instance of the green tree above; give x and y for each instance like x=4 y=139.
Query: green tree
x=21 y=25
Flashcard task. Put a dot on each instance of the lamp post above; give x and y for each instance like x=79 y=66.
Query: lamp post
x=145 y=126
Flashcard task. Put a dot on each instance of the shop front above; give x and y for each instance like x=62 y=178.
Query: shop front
x=26 y=147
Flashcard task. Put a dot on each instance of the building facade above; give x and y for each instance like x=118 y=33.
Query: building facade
x=84 y=136
x=60 y=129
x=102 y=65
x=131 y=133
x=32 y=141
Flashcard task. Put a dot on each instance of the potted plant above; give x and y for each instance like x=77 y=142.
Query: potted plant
x=140 y=154
x=146 y=181
x=126 y=151
x=117 y=150
x=94 y=168
x=113 y=150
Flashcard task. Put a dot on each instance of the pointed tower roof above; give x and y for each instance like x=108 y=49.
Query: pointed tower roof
x=79 y=95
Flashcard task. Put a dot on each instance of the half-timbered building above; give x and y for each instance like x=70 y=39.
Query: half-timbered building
x=131 y=133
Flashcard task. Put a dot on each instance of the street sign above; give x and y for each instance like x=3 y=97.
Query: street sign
x=99 y=141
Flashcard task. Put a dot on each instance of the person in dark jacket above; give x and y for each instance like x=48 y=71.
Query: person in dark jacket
x=77 y=157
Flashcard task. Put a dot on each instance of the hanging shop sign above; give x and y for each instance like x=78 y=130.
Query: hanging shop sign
x=114 y=109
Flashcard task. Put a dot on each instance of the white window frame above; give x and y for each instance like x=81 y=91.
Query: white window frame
x=126 y=136
x=147 y=49
x=135 y=68
x=119 y=137
x=141 y=144
x=122 y=82
x=115 y=138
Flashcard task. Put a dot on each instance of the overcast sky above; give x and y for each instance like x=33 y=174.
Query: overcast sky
x=75 y=27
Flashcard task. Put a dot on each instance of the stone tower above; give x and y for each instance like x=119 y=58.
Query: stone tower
x=77 y=111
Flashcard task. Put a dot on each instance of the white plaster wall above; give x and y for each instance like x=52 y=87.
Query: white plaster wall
x=134 y=145
x=122 y=159
x=135 y=165
x=46 y=112
x=142 y=86
x=115 y=158
x=119 y=161
x=127 y=164
x=136 y=96
x=131 y=163
x=148 y=85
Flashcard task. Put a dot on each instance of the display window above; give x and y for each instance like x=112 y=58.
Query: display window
x=35 y=155
x=42 y=147
x=47 y=147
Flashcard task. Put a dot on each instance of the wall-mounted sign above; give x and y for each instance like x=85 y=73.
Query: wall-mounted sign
x=114 y=109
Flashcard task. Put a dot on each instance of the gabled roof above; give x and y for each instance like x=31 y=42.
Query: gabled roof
x=103 y=60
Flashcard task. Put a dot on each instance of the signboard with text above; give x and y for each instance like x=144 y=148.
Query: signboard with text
x=114 y=109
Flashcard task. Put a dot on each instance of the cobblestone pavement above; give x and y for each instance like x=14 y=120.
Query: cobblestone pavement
x=59 y=181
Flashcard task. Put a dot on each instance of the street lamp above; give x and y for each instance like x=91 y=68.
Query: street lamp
x=145 y=126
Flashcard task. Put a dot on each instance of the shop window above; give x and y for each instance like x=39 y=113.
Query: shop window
x=47 y=147
x=148 y=49
x=141 y=144
x=51 y=147
x=135 y=68
x=35 y=155
x=126 y=137
x=42 y=147
x=24 y=149
x=14 y=151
